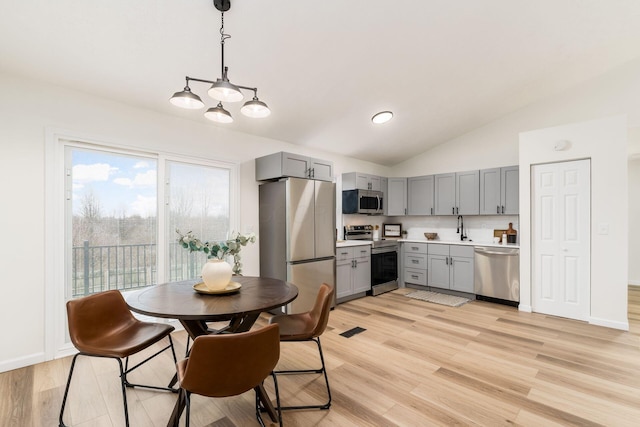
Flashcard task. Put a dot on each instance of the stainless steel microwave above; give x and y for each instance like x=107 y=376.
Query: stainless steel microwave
x=362 y=201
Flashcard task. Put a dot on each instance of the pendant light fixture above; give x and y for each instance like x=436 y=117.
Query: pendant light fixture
x=222 y=89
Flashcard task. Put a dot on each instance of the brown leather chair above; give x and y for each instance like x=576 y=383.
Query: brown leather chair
x=308 y=327
x=101 y=325
x=230 y=364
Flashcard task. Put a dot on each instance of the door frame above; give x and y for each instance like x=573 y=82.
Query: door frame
x=534 y=223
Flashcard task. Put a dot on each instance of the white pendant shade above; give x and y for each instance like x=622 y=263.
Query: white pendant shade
x=186 y=99
x=225 y=91
x=256 y=109
x=218 y=114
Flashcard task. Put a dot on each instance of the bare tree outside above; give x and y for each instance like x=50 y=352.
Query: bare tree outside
x=115 y=219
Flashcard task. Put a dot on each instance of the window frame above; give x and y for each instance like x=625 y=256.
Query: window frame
x=57 y=222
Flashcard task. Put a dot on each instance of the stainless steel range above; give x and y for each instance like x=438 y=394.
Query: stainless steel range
x=384 y=258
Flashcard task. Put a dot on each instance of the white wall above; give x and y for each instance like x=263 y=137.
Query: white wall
x=604 y=142
x=496 y=144
x=27 y=109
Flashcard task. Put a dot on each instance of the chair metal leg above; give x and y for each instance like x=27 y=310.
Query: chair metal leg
x=322 y=370
x=258 y=416
x=187 y=397
x=123 y=382
x=127 y=370
x=66 y=390
x=278 y=407
x=260 y=409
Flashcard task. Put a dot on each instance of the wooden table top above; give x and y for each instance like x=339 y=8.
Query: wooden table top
x=178 y=300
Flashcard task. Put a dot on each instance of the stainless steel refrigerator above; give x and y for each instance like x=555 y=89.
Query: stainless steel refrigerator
x=298 y=236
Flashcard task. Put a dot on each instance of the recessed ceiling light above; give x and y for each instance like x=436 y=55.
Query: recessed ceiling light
x=382 y=117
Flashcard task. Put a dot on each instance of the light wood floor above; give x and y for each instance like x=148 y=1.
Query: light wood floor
x=417 y=364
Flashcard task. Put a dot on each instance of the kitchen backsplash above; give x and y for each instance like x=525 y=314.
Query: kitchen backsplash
x=477 y=228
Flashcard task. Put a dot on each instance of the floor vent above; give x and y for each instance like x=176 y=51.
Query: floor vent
x=352 y=332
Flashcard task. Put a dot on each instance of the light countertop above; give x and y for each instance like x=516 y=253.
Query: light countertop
x=465 y=243
x=348 y=243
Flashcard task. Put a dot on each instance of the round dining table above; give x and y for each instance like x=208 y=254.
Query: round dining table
x=240 y=308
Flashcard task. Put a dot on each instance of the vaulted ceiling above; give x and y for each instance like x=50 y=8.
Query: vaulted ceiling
x=325 y=67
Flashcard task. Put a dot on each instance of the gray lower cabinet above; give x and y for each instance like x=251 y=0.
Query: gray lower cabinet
x=450 y=267
x=353 y=271
x=415 y=263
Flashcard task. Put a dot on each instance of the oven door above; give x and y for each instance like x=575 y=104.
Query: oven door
x=384 y=266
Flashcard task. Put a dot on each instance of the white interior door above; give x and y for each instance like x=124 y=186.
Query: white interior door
x=561 y=239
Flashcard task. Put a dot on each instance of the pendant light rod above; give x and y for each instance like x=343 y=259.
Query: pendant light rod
x=193 y=79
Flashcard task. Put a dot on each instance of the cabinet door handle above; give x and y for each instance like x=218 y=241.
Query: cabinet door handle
x=453 y=210
x=344 y=253
x=503 y=209
x=498 y=209
x=431 y=211
x=446 y=260
x=415 y=261
x=413 y=276
x=405 y=211
x=457 y=210
x=414 y=248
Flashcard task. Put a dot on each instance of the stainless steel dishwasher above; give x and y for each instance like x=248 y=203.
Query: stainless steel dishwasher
x=497 y=274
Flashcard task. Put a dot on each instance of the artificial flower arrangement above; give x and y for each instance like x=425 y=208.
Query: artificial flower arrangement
x=219 y=250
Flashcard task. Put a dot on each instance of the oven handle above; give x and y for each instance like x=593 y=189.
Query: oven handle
x=376 y=251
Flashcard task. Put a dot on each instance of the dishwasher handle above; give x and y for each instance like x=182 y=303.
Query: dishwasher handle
x=497 y=251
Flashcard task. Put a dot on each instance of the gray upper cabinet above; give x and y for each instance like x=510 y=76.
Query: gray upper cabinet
x=278 y=165
x=499 y=191
x=457 y=193
x=445 y=193
x=468 y=193
x=360 y=181
x=395 y=198
x=510 y=190
x=420 y=195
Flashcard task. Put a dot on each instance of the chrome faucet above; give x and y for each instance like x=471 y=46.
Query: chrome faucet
x=460 y=229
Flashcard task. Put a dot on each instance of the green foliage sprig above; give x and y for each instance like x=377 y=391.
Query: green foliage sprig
x=219 y=250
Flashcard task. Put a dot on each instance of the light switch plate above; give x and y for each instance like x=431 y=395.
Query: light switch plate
x=603 y=228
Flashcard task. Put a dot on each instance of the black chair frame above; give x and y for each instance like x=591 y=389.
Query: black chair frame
x=322 y=370
x=123 y=378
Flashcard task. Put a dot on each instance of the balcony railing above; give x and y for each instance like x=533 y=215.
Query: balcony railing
x=126 y=267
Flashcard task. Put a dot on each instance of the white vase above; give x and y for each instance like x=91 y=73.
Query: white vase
x=216 y=274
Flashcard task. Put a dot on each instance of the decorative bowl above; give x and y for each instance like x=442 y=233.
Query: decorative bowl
x=431 y=236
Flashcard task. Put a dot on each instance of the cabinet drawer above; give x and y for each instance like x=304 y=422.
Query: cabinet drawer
x=415 y=248
x=418 y=277
x=344 y=253
x=436 y=249
x=461 y=251
x=415 y=261
x=362 y=251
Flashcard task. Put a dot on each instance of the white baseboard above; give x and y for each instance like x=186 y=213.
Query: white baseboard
x=623 y=326
x=525 y=308
x=634 y=282
x=21 y=362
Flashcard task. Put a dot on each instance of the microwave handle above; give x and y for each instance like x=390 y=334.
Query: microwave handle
x=379 y=207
